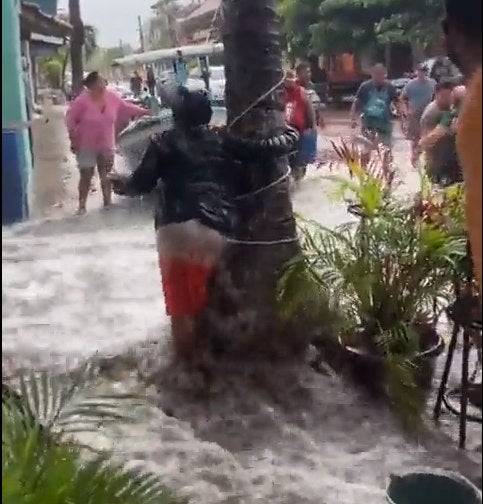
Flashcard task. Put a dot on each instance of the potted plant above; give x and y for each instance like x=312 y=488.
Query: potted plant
x=379 y=277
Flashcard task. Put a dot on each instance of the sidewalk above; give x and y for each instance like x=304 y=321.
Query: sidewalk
x=54 y=176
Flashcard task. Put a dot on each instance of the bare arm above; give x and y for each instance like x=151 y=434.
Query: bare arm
x=355 y=108
x=431 y=130
x=357 y=104
x=430 y=136
x=403 y=104
x=73 y=118
x=127 y=109
x=310 y=113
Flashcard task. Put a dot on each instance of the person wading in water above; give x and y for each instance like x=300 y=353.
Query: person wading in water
x=193 y=172
x=438 y=136
x=299 y=114
x=91 y=121
x=415 y=97
x=373 y=104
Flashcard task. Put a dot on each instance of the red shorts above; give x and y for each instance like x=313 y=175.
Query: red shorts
x=184 y=286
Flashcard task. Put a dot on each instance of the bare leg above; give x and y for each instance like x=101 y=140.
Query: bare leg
x=84 y=188
x=387 y=159
x=104 y=166
x=183 y=332
x=365 y=159
x=415 y=152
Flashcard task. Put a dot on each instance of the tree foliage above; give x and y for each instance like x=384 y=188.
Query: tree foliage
x=345 y=25
x=297 y=17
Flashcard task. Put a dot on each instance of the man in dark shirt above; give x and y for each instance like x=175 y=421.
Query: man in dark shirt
x=151 y=81
x=136 y=84
x=373 y=105
x=180 y=69
x=438 y=137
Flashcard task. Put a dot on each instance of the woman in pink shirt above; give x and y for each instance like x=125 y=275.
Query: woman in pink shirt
x=91 y=121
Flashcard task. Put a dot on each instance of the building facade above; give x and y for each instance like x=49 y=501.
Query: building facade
x=202 y=24
x=27 y=33
x=16 y=153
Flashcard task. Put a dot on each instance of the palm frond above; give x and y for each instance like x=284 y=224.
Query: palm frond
x=70 y=404
x=40 y=462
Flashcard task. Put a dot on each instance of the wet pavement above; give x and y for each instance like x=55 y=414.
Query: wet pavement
x=76 y=286
x=54 y=173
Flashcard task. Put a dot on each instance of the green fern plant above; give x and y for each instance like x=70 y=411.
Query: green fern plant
x=42 y=464
x=375 y=280
x=379 y=274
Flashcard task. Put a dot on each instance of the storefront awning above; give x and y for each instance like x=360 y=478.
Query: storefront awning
x=33 y=20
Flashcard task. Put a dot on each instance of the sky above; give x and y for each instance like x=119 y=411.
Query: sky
x=115 y=20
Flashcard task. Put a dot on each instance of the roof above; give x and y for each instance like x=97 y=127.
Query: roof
x=191 y=51
x=178 y=10
x=32 y=19
x=205 y=8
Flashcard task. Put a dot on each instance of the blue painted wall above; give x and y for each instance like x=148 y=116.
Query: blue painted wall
x=16 y=153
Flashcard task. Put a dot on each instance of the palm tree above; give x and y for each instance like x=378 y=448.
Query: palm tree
x=249 y=275
x=76 y=46
x=169 y=9
x=90 y=41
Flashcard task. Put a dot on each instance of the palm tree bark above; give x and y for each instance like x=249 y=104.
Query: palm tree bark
x=243 y=302
x=76 y=46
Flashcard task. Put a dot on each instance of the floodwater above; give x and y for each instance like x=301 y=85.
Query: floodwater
x=76 y=286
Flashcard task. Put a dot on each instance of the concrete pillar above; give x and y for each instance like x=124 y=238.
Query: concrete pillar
x=16 y=157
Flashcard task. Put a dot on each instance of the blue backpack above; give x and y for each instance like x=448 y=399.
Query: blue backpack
x=375 y=114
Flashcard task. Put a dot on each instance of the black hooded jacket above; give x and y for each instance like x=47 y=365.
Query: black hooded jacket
x=197 y=170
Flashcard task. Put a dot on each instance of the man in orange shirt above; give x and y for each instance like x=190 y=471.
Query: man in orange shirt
x=463 y=30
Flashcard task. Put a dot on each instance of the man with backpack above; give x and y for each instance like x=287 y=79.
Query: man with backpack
x=373 y=104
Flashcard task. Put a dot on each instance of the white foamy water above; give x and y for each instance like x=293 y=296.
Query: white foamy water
x=264 y=434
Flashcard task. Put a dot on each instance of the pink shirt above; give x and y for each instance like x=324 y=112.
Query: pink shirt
x=93 y=127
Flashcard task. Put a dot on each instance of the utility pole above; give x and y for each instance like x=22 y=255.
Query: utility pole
x=76 y=46
x=141 y=34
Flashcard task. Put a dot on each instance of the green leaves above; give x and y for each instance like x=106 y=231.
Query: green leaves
x=70 y=404
x=347 y=25
x=378 y=273
x=41 y=464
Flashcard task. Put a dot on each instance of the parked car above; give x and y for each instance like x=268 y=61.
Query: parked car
x=441 y=68
x=217 y=82
x=122 y=88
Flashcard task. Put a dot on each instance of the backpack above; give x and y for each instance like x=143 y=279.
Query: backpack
x=375 y=114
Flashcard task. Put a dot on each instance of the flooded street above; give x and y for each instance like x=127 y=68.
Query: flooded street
x=77 y=286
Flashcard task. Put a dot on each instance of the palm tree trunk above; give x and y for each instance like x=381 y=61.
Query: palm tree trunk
x=76 y=45
x=243 y=301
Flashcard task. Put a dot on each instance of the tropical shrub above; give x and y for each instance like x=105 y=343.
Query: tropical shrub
x=42 y=464
x=52 y=69
x=373 y=282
